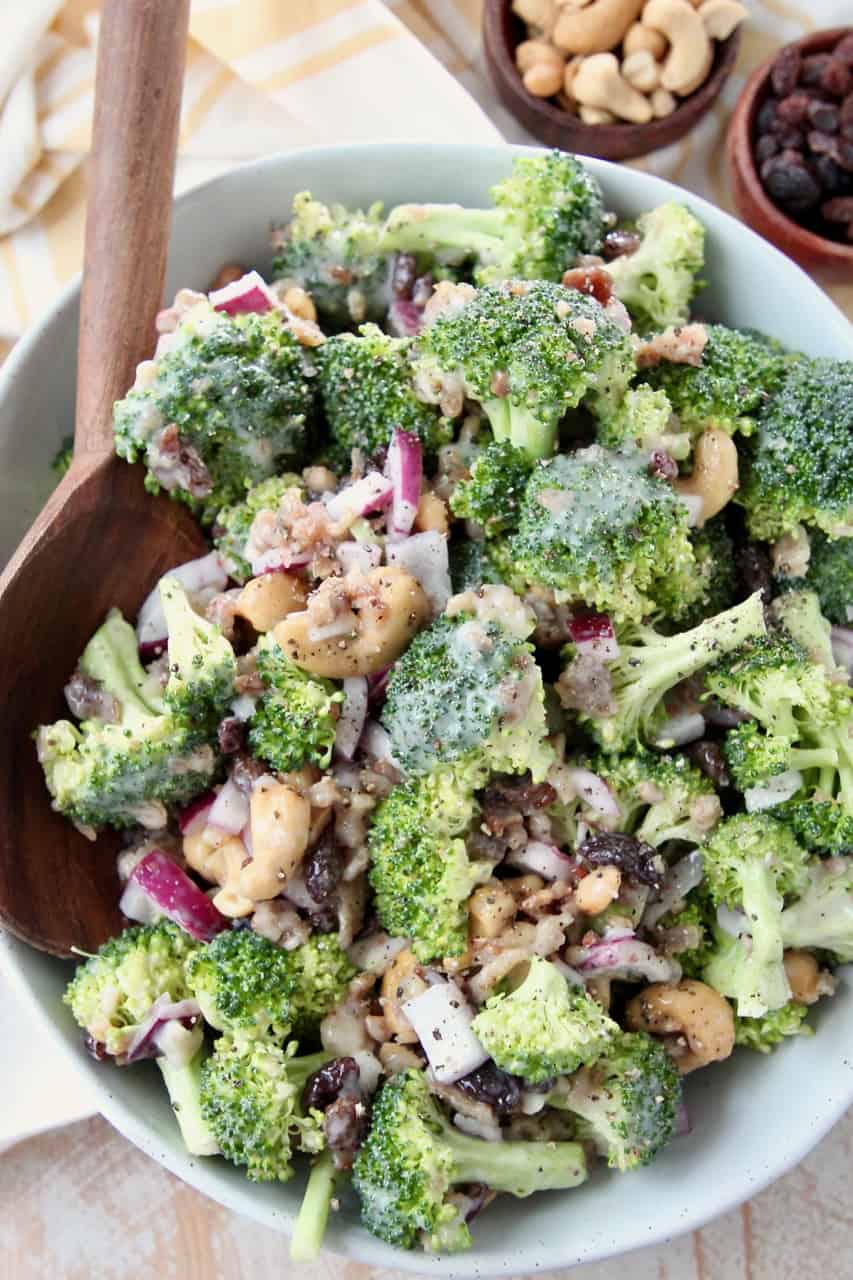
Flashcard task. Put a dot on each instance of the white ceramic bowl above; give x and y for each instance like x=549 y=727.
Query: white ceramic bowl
x=753 y=1117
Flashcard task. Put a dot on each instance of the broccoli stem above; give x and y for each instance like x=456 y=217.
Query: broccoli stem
x=519 y=1168
x=520 y=427
x=431 y=227
x=310 y=1225
x=183 y=1084
x=816 y=758
x=762 y=905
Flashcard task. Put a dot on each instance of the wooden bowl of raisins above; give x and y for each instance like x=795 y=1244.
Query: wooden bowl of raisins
x=790 y=150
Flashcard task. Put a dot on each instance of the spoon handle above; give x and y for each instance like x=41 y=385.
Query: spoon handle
x=141 y=55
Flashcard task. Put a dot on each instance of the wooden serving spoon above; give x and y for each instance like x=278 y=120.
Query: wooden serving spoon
x=101 y=540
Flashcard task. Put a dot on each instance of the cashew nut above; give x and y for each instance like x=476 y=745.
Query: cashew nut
x=531 y=52
x=691 y=53
x=597 y=890
x=569 y=74
x=641 y=71
x=389 y=614
x=700 y=1020
x=431 y=515
x=663 y=103
x=266 y=600
x=543 y=80
x=597 y=27
x=219 y=858
x=280 y=820
x=639 y=39
x=300 y=303
x=808 y=982
x=714 y=478
x=490 y=909
x=722 y=16
x=401 y=981
x=599 y=83
x=537 y=13
x=596 y=115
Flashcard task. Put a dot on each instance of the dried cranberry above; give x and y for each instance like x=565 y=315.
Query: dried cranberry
x=489 y=1084
x=813 y=67
x=765 y=147
x=708 y=757
x=322 y=869
x=790 y=183
x=794 y=108
x=836 y=78
x=594 y=281
x=785 y=71
x=404 y=272
x=620 y=244
x=823 y=115
x=231 y=735
x=637 y=860
x=341 y=1075
x=662 y=465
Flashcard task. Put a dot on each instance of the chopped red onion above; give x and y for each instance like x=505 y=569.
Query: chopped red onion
x=593 y=635
x=250 y=293
x=174 y=895
x=376 y=743
x=404 y=468
x=842 y=647
x=442 y=1017
x=202 y=579
x=352 y=718
x=543 y=860
x=164 y=1009
x=621 y=955
x=594 y=791
x=781 y=787
x=678 y=730
x=424 y=556
x=194 y=817
x=363 y=556
x=230 y=809
x=278 y=560
x=405 y=318
x=370 y=493
x=680 y=878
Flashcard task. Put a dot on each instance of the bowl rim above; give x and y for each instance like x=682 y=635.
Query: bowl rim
x=359 y=1245
x=741 y=158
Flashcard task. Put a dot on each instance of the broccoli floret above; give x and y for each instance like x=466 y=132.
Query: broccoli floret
x=546 y=212
x=821 y=822
x=202 y=666
x=801 y=470
x=413 y=1158
x=754 y=756
x=643 y=420
x=237 y=391
x=729 y=388
x=552 y=347
x=472 y=565
x=822 y=916
x=295 y=718
x=183 y=1083
x=419 y=868
x=366 y=387
x=233 y=524
x=464 y=688
x=715 y=576
x=763 y=1035
x=830 y=575
x=597 y=527
x=113 y=991
x=657 y=283
x=251 y=1097
x=661 y=797
x=545 y=1027
x=62 y=458
x=626 y=1103
x=752 y=862
x=249 y=988
x=493 y=492
x=123 y=772
x=650 y=664
x=336 y=254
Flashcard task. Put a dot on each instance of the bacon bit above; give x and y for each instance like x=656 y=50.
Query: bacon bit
x=683 y=344
x=595 y=282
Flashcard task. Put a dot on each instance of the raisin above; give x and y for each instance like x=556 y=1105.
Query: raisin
x=245 y=772
x=813 y=67
x=785 y=71
x=831 y=177
x=843 y=51
x=838 y=210
x=788 y=181
x=824 y=116
x=322 y=869
x=836 y=78
x=662 y=465
x=619 y=244
x=794 y=108
x=708 y=757
x=231 y=735
x=345 y=1127
x=326 y=1085
x=404 y=273
x=768 y=115
x=637 y=860
x=823 y=144
x=846 y=110
x=844 y=154
x=489 y=1084
x=593 y=281
x=765 y=147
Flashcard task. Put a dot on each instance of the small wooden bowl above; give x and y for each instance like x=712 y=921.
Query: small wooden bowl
x=753 y=203
x=502 y=31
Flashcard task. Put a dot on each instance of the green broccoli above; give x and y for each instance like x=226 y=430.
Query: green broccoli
x=715 y=585
x=754 y=756
x=801 y=469
x=763 y=1035
x=661 y=797
x=464 y=688
x=493 y=492
x=822 y=916
x=649 y=665
x=752 y=863
x=545 y=1027
x=320 y=973
x=251 y=1098
x=113 y=990
x=310 y=1225
x=413 y=1158
x=183 y=1084
x=366 y=387
x=830 y=575
x=626 y=1103
x=471 y=565
x=202 y=665
x=295 y=718
x=233 y=524
x=336 y=254
x=419 y=868
x=527 y=353
x=644 y=420
x=123 y=772
x=230 y=404
x=597 y=527
x=657 y=283
x=729 y=388
x=546 y=212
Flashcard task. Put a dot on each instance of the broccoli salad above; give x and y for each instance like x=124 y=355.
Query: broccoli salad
x=493 y=770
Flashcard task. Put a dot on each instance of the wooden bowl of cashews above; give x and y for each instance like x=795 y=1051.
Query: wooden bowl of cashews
x=610 y=78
